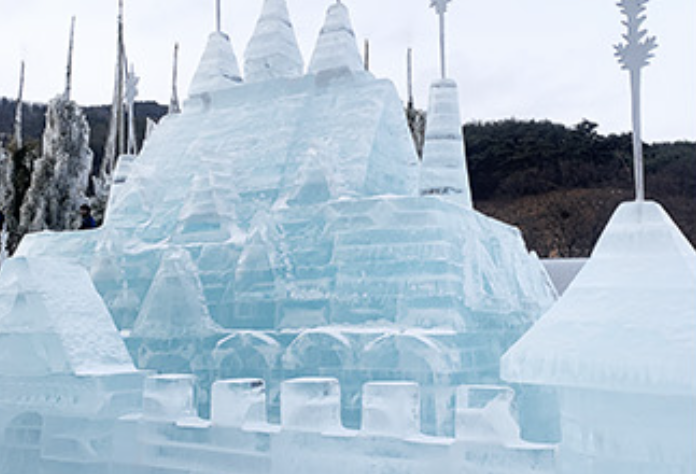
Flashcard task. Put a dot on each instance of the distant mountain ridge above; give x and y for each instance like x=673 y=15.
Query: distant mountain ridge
x=558 y=184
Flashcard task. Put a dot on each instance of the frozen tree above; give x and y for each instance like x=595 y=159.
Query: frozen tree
x=61 y=175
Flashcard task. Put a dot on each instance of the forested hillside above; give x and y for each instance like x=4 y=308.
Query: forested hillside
x=558 y=184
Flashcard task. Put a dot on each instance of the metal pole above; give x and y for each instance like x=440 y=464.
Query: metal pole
x=442 y=45
x=637 y=136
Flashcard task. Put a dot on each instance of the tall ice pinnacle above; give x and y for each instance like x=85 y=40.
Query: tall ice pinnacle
x=174 y=107
x=336 y=47
x=115 y=142
x=272 y=51
x=18 y=135
x=218 y=68
x=68 y=78
x=633 y=56
x=131 y=93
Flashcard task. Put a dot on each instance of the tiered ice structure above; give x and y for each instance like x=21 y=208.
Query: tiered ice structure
x=444 y=170
x=620 y=346
x=275 y=230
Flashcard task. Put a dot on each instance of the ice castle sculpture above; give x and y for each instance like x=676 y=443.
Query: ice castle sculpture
x=278 y=222
x=290 y=291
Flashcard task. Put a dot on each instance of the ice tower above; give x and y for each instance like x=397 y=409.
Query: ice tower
x=272 y=51
x=444 y=171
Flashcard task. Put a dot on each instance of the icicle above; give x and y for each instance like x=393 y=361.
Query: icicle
x=174 y=107
x=272 y=51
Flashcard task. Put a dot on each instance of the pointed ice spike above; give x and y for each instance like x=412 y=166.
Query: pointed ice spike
x=444 y=171
x=272 y=51
x=18 y=135
x=68 y=79
x=131 y=93
x=336 y=47
x=218 y=68
x=174 y=107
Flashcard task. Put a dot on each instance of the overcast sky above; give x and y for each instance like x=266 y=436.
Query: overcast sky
x=542 y=59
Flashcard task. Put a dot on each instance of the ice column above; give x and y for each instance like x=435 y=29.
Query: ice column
x=272 y=51
x=444 y=171
x=218 y=68
x=336 y=47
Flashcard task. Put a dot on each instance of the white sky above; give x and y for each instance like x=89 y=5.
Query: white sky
x=543 y=59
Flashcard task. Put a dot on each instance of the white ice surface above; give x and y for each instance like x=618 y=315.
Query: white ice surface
x=52 y=321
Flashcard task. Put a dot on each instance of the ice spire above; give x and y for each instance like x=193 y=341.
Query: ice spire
x=19 y=141
x=174 y=107
x=218 y=68
x=131 y=93
x=68 y=75
x=115 y=143
x=366 y=55
x=633 y=56
x=336 y=47
x=409 y=78
x=272 y=51
x=444 y=171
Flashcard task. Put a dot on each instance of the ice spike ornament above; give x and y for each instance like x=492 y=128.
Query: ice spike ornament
x=633 y=55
